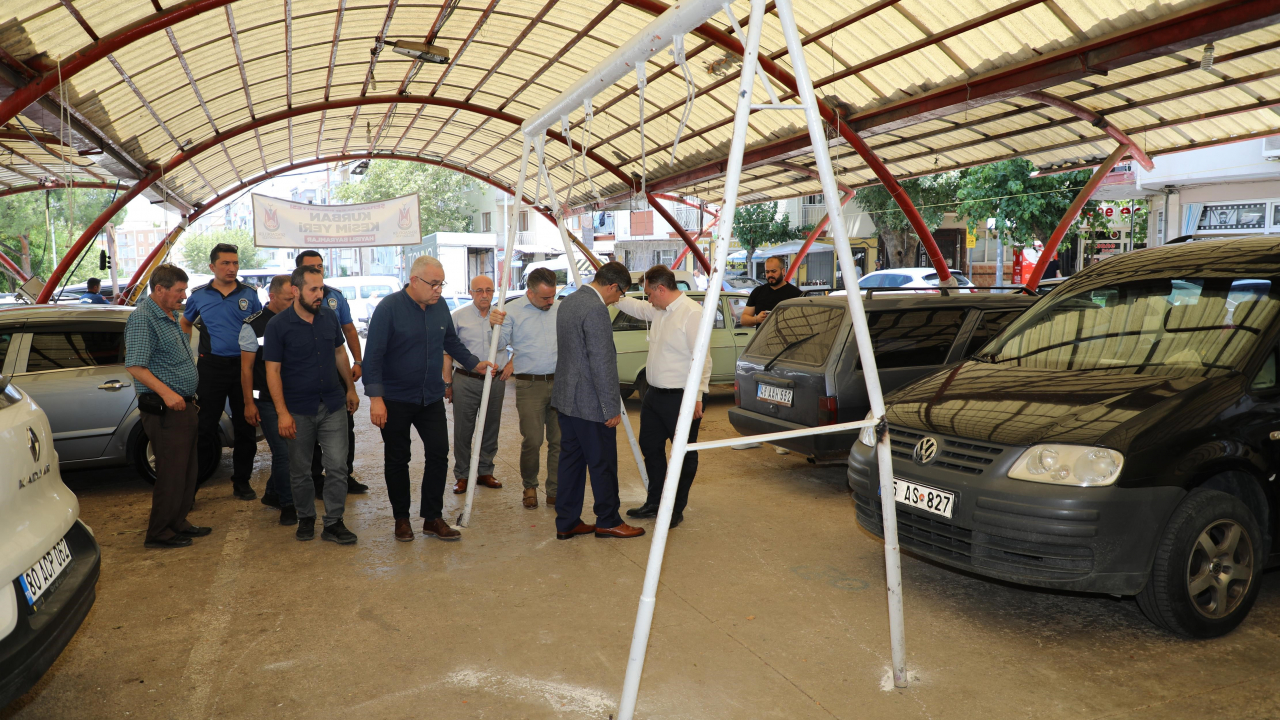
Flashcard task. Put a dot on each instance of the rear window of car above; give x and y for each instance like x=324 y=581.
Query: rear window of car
x=368 y=291
x=914 y=338
x=798 y=334
x=53 y=350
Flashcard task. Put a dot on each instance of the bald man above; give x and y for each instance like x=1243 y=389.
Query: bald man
x=463 y=388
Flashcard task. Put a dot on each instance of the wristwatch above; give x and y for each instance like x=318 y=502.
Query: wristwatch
x=358 y=362
x=448 y=384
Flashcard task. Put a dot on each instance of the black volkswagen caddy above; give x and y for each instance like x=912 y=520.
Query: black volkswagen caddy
x=1122 y=436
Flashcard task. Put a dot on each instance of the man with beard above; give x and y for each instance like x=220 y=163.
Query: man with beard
x=764 y=298
x=310 y=384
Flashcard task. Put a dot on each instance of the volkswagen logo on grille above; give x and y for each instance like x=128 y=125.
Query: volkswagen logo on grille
x=926 y=451
x=33 y=444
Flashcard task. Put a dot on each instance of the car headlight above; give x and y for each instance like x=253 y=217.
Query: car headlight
x=868 y=435
x=1078 y=465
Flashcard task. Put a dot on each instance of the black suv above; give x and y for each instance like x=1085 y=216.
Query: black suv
x=1122 y=436
x=801 y=369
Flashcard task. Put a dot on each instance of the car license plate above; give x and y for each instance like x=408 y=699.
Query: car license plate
x=938 y=502
x=774 y=394
x=44 y=574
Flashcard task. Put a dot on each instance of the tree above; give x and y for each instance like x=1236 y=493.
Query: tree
x=1026 y=207
x=758 y=225
x=442 y=202
x=22 y=221
x=195 y=249
x=933 y=196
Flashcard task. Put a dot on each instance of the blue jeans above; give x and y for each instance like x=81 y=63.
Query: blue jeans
x=330 y=430
x=278 y=483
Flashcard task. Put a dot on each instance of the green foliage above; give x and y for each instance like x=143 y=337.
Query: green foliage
x=755 y=226
x=442 y=203
x=1025 y=207
x=22 y=217
x=933 y=196
x=194 y=250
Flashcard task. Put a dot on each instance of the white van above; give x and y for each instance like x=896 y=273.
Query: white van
x=49 y=560
x=363 y=293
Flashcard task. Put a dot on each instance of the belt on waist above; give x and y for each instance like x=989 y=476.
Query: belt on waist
x=665 y=391
x=545 y=378
x=468 y=373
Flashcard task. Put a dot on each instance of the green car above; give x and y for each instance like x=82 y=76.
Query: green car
x=727 y=342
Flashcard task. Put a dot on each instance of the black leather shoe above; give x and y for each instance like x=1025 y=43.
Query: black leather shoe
x=176 y=541
x=355 y=487
x=243 y=491
x=676 y=520
x=288 y=515
x=306 y=529
x=644 y=511
x=195 y=531
x=271 y=499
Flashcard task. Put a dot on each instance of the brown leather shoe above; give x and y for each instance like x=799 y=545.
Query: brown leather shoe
x=460 y=486
x=488 y=481
x=531 y=497
x=404 y=530
x=579 y=529
x=440 y=529
x=621 y=531
x=551 y=501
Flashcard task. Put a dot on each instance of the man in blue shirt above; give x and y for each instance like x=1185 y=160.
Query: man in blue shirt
x=409 y=333
x=311 y=388
x=337 y=302
x=221 y=307
x=93 y=293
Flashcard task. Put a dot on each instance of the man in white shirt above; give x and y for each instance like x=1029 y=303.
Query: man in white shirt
x=672 y=341
x=464 y=388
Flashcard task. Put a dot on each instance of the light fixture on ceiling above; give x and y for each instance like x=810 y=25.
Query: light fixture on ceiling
x=1206 y=61
x=422 y=51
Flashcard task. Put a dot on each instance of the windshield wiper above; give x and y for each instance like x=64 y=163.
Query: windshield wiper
x=983 y=358
x=785 y=349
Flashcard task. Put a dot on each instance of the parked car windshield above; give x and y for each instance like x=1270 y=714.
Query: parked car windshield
x=816 y=325
x=1189 y=326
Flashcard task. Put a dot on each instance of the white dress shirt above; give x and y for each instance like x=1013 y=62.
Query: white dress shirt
x=672 y=340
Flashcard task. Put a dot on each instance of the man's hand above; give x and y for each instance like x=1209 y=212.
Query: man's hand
x=285 y=426
x=485 y=367
x=355 y=373
x=173 y=400
x=353 y=401
x=448 y=394
x=613 y=421
x=507 y=371
x=496 y=316
x=251 y=415
x=377 y=412
x=697 y=411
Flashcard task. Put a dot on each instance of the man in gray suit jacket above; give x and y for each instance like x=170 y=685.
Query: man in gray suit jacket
x=589 y=406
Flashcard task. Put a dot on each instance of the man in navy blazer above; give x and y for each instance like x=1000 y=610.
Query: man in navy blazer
x=589 y=407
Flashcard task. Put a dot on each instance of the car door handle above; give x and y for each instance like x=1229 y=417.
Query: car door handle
x=114 y=385
x=742 y=334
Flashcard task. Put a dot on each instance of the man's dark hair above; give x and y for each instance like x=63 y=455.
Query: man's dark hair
x=299 y=276
x=166 y=275
x=222 y=248
x=93 y=284
x=297 y=261
x=542 y=277
x=660 y=275
x=278 y=282
x=614 y=273
x=777 y=258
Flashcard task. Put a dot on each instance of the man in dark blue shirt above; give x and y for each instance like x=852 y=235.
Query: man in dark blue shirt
x=409 y=333
x=221 y=307
x=311 y=388
x=93 y=293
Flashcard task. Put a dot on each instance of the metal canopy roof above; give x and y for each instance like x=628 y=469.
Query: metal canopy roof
x=251 y=88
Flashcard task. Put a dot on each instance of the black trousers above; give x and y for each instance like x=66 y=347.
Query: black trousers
x=587 y=445
x=219 y=383
x=658 y=415
x=433 y=430
x=317 y=467
x=173 y=437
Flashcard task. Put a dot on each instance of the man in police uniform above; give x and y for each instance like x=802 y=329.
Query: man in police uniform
x=335 y=301
x=221 y=307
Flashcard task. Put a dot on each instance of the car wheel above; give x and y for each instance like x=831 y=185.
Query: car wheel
x=1207 y=567
x=641 y=386
x=144 y=461
x=626 y=391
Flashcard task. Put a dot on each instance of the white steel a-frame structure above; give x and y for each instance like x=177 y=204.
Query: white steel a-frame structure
x=680 y=19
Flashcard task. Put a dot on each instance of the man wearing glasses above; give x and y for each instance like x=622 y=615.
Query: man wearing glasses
x=464 y=389
x=409 y=333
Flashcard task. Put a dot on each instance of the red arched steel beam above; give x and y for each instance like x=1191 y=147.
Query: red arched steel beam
x=11 y=268
x=210 y=143
x=205 y=207
x=684 y=235
x=700 y=208
x=1095 y=120
x=59 y=185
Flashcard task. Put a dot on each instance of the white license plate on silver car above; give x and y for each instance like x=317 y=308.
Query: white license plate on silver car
x=929 y=499
x=45 y=573
x=774 y=394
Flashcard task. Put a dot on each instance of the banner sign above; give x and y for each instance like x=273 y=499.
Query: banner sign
x=288 y=224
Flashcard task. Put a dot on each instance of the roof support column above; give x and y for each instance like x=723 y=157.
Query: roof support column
x=813 y=235
x=12 y=268
x=1086 y=192
x=688 y=241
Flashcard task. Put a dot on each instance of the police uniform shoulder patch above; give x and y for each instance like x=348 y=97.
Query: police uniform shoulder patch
x=244 y=303
x=333 y=303
x=203 y=287
x=253 y=317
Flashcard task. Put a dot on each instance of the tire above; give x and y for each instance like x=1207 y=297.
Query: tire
x=1210 y=538
x=144 y=461
x=626 y=391
x=641 y=386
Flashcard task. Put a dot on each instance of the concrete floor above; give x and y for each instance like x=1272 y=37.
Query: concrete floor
x=772 y=606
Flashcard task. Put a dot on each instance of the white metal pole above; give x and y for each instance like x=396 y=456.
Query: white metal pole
x=693 y=381
x=500 y=301
x=111 y=256
x=818 y=139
